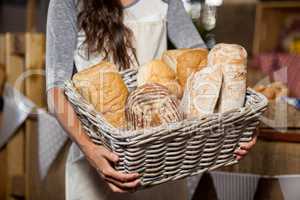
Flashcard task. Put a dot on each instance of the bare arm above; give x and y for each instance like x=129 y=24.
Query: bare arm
x=99 y=157
x=61 y=43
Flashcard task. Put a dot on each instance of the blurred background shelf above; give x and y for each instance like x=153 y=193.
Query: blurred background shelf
x=271 y=18
x=289 y=135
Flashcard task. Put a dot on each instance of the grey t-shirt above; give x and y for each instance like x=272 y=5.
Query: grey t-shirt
x=62 y=32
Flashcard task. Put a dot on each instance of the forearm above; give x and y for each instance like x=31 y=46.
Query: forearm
x=65 y=114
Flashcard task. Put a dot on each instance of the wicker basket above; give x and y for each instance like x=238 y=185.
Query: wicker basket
x=177 y=150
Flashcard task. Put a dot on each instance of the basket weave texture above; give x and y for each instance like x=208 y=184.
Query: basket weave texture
x=173 y=151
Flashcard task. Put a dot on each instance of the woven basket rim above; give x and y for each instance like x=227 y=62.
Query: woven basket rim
x=123 y=134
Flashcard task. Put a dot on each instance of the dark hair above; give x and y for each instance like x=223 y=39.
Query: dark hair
x=102 y=22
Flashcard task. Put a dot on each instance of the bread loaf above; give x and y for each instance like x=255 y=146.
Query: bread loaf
x=273 y=91
x=185 y=62
x=103 y=87
x=227 y=54
x=202 y=92
x=157 y=71
x=151 y=105
x=280 y=89
x=232 y=59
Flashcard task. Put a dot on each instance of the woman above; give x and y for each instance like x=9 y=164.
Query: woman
x=128 y=33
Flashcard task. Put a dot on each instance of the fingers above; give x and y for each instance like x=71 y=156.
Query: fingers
x=239 y=158
x=121 y=177
x=128 y=186
x=247 y=146
x=115 y=188
x=241 y=152
x=118 y=182
x=244 y=148
x=109 y=155
x=109 y=172
x=101 y=158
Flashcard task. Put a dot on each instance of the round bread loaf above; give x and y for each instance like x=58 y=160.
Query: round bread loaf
x=185 y=62
x=273 y=91
x=103 y=87
x=151 y=105
x=157 y=71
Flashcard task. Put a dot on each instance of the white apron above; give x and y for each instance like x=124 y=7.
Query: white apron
x=147 y=20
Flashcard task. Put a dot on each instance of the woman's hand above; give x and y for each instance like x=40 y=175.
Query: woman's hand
x=99 y=157
x=244 y=148
x=102 y=159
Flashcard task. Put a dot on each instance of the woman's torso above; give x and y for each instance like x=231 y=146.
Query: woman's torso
x=147 y=21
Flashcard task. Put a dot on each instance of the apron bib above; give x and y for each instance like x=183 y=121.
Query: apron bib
x=147 y=21
x=150 y=34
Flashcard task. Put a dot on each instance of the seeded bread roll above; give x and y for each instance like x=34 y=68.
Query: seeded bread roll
x=151 y=105
x=157 y=71
x=103 y=87
x=185 y=62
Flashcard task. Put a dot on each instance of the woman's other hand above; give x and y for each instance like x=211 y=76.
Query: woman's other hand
x=102 y=160
x=244 y=148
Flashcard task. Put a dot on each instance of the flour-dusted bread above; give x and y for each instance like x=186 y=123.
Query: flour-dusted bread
x=185 y=62
x=151 y=105
x=227 y=54
x=157 y=71
x=233 y=88
x=202 y=92
x=103 y=87
x=232 y=59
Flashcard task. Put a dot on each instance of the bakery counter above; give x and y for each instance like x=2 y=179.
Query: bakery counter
x=270 y=171
x=289 y=135
x=276 y=153
x=272 y=168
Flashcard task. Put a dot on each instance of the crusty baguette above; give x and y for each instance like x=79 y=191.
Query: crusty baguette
x=227 y=54
x=232 y=59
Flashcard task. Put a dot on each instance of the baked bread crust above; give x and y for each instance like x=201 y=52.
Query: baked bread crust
x=157 y=71
x=185 y=62
x=151 y=105
x=104 y=87
x=232 y=59
x=202 y=92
